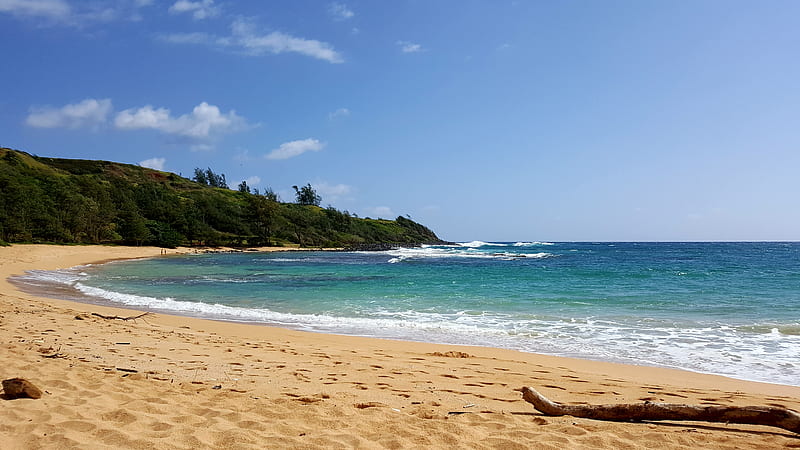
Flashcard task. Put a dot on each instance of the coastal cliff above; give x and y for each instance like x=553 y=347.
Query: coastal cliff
x=100 y=202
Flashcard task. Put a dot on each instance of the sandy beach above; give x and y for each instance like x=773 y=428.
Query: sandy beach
x=165 y=381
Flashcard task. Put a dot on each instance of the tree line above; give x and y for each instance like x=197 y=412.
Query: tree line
x=94 y=202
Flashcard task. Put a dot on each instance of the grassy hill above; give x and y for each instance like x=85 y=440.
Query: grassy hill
x=87 y=201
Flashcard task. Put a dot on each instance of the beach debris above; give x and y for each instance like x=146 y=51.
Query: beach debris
x=51 y=353
x=451 y=354
x=20 y=388
x=103 y=316
x=752 y=415
x=121 y=369
x=370 y=405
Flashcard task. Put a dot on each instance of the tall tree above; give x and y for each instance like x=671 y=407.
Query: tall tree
x=271 y=195
x=263 y=215
x=216 y=180
x=306 y=195
x=200 y=176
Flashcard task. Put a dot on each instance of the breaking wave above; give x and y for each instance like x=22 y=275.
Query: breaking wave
x=441 y=252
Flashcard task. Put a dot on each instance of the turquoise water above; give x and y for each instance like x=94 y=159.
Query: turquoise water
x=726 y=308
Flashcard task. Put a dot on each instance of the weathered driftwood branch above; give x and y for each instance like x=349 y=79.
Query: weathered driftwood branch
x=55 y=353
x=120 y=317
x=753 y=415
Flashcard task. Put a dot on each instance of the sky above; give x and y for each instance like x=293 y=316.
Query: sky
x=482 y=119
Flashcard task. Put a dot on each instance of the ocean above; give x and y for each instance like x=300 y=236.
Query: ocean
x=724 y=308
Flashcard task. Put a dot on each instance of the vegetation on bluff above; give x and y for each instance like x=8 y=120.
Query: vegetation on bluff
x=86 y=201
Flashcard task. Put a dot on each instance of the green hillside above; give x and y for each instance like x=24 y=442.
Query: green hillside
x=93 y=202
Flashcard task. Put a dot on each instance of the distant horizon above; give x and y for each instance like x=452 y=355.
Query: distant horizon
x=666 y=121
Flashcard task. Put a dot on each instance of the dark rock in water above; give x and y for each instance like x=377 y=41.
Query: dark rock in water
x=20 y=388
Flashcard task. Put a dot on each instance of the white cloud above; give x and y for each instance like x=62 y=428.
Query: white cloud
x=381 y=212
x=50 y=9
x=341 y=112
x=253 y=181
x=199 y=127
x=246 y=39
x=242 y=155
x=153 y=163
x=144 y=117
x=89 y=113
x=244 y=35
x=294 y=148
x=409 y=47
x=340 y=11
x=201 y=9
x=76 y=14
x=332 y=192
x=203 y=122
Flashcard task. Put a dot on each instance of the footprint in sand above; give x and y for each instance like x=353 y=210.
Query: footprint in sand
x=77 y=425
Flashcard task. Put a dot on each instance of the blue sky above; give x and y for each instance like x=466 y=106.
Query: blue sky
x=491 y=120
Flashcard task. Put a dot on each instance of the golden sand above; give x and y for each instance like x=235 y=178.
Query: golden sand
x=176 y=382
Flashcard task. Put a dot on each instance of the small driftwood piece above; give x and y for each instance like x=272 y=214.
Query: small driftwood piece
x=752 y=415
x=102 y=316
x=50 y=353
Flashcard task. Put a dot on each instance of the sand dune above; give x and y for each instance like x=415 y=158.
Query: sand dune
x=174 y=382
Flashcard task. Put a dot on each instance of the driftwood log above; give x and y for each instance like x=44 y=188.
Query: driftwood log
x=102 y=316
x=752 y=415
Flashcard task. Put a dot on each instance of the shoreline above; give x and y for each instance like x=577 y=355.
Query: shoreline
x=341 y=381
x=62 y=291
x=79 y=297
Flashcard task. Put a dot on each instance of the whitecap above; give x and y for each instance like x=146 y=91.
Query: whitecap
x=403 y=254
x=476 y=244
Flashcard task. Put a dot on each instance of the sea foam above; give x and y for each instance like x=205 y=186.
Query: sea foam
x=709 y=348
x=421 y=253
